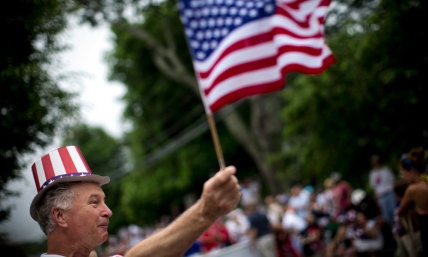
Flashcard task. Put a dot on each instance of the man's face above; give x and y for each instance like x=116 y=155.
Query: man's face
x=89 y=215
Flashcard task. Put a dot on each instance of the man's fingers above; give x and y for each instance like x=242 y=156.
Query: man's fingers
x=222 y=177
x=221 y=193
x=222 y=182
x=230 y=200
x=230 y=169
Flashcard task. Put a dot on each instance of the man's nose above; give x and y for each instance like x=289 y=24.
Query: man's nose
x=106 y=211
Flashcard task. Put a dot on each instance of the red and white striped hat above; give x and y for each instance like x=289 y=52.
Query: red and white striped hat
x=65 y=164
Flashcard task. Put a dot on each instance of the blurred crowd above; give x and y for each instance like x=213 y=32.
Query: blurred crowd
x=331 y=219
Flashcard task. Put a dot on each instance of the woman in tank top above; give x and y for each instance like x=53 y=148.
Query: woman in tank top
x=412 y=168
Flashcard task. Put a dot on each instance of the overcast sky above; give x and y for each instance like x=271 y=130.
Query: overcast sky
x=100 y=105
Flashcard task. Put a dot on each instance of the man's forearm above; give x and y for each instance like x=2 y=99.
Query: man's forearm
x=220 y=195
x=175 y=239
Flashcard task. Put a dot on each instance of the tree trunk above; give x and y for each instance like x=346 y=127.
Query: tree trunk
x=267 y=128
x=261 y=139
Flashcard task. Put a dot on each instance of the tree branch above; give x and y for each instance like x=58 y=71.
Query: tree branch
x=165 y=59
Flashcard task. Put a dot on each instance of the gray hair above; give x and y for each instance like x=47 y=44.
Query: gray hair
x=61 y=196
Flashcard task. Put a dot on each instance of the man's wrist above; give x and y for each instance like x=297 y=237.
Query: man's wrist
x=203 y=213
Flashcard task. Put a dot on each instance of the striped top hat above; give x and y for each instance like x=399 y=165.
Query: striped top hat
x=65 y=164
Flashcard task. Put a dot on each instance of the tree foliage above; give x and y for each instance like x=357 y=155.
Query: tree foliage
x=104 y=153
x=32 y=106
x=373 y=100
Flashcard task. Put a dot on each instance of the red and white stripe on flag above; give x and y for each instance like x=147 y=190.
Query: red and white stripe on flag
x=242 y=48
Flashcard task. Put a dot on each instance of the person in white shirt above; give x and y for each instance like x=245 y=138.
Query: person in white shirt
x=237 y=225
x=299 y=200
x=382 y=181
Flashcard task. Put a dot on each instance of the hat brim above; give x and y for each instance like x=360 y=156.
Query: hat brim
x=102 y=180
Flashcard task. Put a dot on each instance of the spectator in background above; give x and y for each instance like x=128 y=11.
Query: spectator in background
x=311 y=238
x=123 y=241
x=341 y=245
x=381 y=180
x=250 y=190
x=237 y=225
x=135 y=235
x=325 y=199
x=113 y=247
x=215 y=237
x=412 y=168
x=367 y=235
x=274 y=211
x=282 y=199
x=341 y=194
x=293 y=224
x=398 y=230
x=299 y=200
x=315 y=207
x=261 y=236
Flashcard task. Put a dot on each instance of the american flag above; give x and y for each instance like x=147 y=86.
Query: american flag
x=246 y=47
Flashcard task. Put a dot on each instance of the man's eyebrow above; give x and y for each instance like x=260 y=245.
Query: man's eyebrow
x=96 y=196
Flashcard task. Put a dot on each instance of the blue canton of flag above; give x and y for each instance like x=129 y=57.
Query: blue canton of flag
x=208 y=22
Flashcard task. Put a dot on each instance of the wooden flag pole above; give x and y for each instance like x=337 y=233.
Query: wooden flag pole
x=217 y=145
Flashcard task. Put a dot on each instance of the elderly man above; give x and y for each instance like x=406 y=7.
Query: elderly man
x=71 y=210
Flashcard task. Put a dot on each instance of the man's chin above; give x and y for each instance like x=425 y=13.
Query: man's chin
x=104 y=236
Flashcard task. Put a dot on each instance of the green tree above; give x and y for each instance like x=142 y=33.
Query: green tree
x=104 y=153
x=373 y=100
x=32 y=106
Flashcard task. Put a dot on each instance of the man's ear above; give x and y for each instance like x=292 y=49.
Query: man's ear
x=58 y=216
